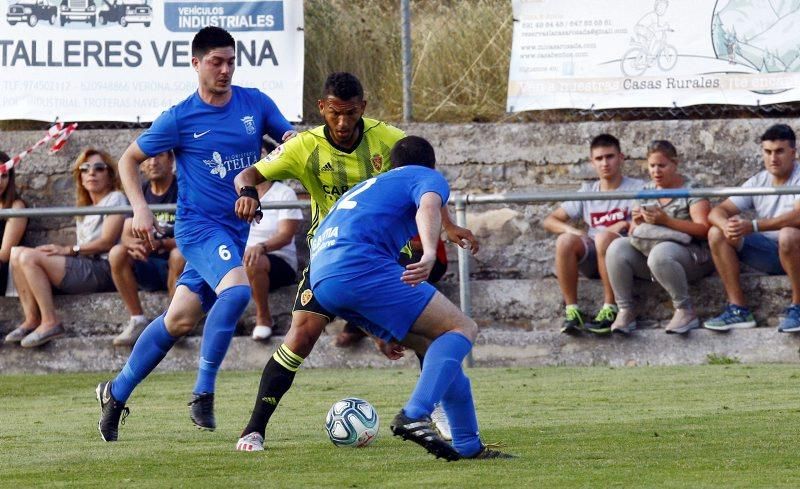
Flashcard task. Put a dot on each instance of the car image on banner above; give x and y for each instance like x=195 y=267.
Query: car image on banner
x=126 y=12
x=31 y=12
x=78 y=11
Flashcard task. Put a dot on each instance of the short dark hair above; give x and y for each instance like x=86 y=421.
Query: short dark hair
x=209 y=38
x=413 y=150
x=604 y=140
x=343 y=85
x=780 y=132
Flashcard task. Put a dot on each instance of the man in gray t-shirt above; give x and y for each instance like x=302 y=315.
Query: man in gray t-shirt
x=770 y=243
x=579 y=250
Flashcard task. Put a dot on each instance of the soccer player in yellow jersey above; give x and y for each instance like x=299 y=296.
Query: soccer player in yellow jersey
x=327 y=160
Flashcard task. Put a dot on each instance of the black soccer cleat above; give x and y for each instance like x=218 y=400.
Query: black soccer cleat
x=201 y=411
x=112 y=412
x=422 y=432
x=487 y=453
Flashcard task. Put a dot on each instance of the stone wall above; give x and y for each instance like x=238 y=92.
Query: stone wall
x=476 y=158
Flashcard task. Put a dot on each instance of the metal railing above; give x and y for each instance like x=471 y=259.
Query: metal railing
x=460 y=202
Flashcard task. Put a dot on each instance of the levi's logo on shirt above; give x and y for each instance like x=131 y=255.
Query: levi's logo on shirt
x=608 y=218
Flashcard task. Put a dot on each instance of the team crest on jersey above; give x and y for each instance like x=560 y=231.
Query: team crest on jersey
x=249 y=124
x=215 y=163
x=377 y=161
x=306 y=297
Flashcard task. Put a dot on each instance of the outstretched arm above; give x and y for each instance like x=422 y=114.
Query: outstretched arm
x=429 y=225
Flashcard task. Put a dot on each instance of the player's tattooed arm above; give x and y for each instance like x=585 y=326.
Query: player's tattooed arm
x=463 y=237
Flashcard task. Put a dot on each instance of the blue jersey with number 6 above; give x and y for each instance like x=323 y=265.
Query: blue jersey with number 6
x=372 y=222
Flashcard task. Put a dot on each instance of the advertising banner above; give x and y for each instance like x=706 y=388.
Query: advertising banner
x=128 y=60
x=653 y=53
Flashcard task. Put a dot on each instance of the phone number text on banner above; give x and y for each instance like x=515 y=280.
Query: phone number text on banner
x=128 y=61
x=653 y=53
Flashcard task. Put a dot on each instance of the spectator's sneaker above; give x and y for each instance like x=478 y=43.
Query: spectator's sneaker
x=112 y=412
x=733 y=317
x=683 y=321
x=573 y=322
x=790 y=320
x=487 y=453
x=422 y=432
x=601 y=325
x=131 y=332
x=201 y=410
x=625 y=322
x=439 y=419
x=251 y=442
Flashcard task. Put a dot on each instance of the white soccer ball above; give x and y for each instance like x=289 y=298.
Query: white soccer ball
x=352 y=422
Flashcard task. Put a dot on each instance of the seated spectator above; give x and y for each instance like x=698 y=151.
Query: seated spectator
x=79 y=269
x=12 y=229
x=270 y=257
x=581 y=251
x=134 y=265
x=672 y=264
x=351 y=334
x=770 y=243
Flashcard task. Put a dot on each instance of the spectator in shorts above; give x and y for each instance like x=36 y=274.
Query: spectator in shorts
x=585 y=251
x=12 y=229
x=770 y=243
x=670 y=263
x=134 y=265
x=270 y=256
x=79 y=269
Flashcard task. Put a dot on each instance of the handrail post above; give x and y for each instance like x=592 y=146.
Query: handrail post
x=464 y=296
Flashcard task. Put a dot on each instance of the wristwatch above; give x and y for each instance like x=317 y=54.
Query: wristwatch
x=76 y=250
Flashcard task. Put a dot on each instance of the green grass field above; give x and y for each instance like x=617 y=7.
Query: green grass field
x=707 y=426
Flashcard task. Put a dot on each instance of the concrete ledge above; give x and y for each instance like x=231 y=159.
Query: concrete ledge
x=536 y=305
x=493 y=349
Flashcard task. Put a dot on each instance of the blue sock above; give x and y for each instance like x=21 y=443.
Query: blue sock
x=151 y=347
x=442 y=363
x=218 y=333
x=460 y=409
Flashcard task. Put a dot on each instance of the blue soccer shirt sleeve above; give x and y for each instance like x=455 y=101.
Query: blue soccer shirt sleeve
x=431 y=181
x=275 y=124
x=161 y=136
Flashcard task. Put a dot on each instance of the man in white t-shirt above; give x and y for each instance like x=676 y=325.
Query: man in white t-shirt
x=270 y=257
x=579 y=250
x=770 y=243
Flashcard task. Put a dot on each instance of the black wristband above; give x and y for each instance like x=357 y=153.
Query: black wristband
x=249 y=191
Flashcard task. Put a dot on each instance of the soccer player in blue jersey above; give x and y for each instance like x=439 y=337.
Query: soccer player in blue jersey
x=354 y=254
x=215 y=134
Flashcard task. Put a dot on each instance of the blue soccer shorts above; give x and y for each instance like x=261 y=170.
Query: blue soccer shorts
x=377 y=301
x=210 y=254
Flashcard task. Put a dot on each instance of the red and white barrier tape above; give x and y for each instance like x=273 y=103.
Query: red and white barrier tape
x=58 y=131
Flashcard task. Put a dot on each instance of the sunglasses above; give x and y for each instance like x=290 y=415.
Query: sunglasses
x=97 y=167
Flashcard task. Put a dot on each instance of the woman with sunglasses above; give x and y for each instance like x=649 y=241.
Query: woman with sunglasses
x=79 y=269
x=673 y=265
x=11 y=230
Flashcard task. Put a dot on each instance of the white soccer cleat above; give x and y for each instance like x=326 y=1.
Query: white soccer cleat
x=251 y=442
x=441 y=423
